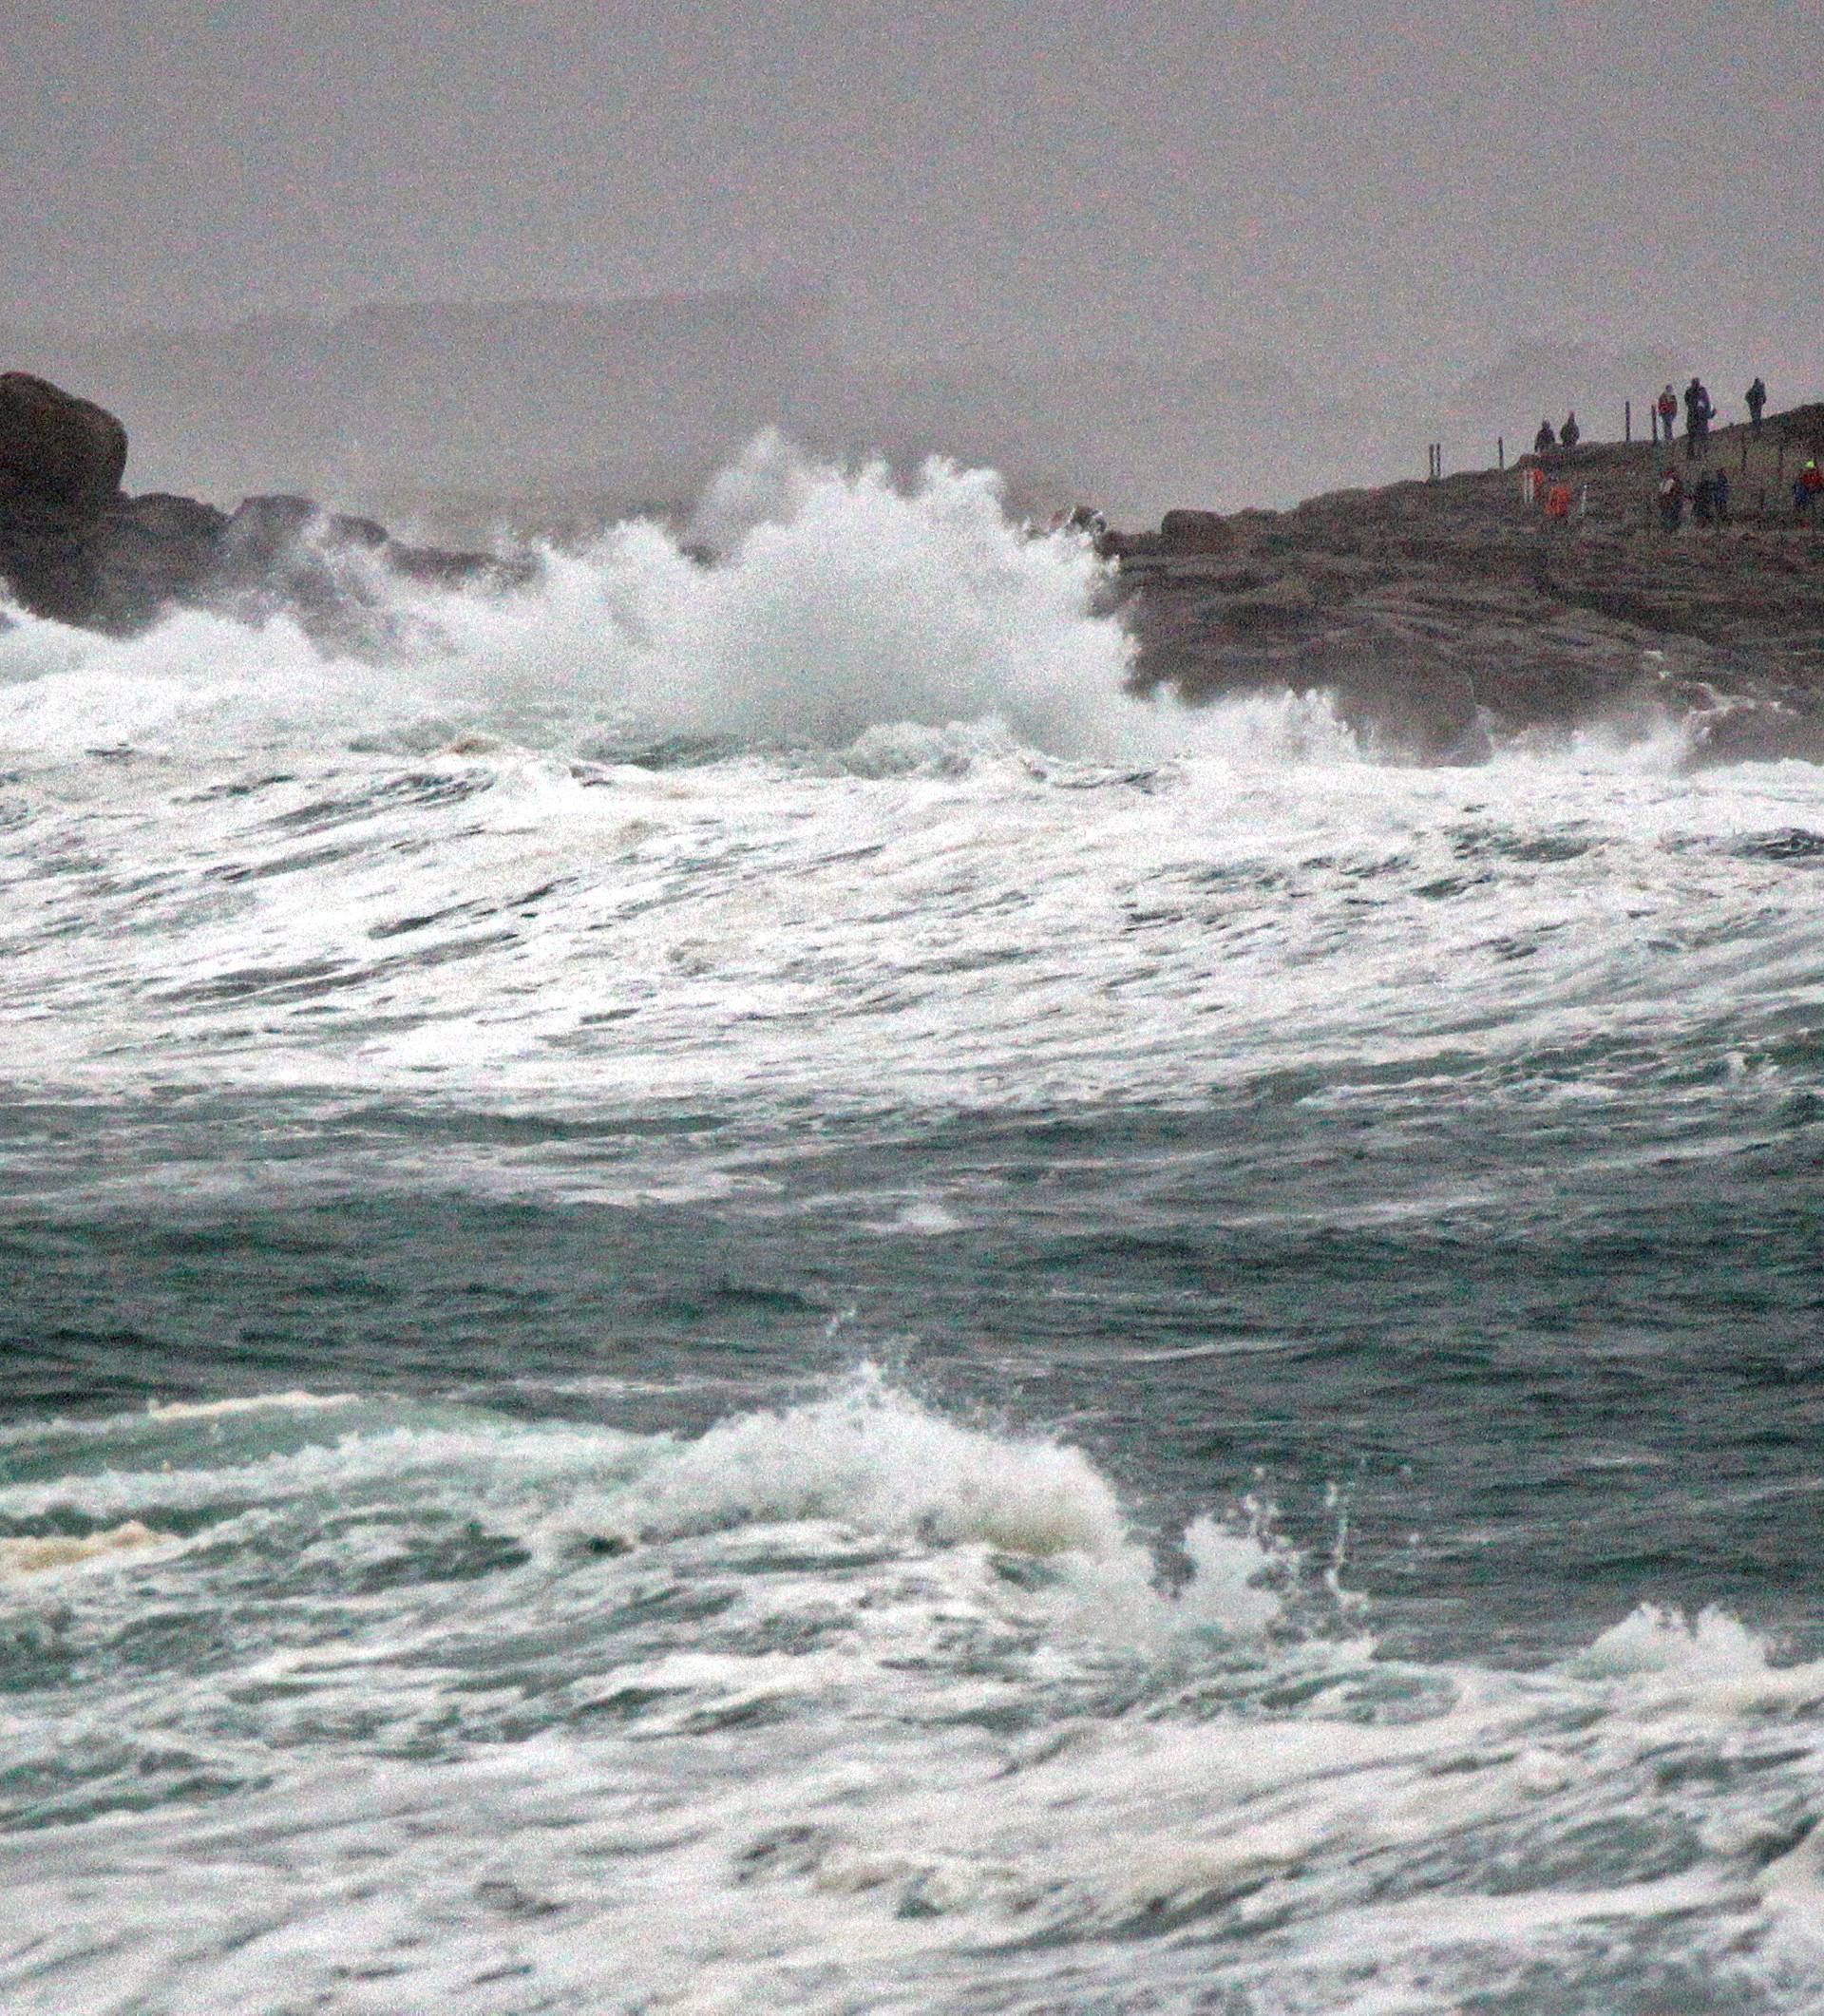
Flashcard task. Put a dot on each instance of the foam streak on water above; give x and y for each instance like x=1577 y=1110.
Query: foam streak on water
x=1335 y=1530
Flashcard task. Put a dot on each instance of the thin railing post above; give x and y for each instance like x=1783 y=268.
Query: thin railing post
x=1627 y=420
x=1500 y=451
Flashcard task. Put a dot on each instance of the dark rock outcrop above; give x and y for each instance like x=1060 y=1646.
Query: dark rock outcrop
x=57 y=452
x=1197 y=532
x=73 y=548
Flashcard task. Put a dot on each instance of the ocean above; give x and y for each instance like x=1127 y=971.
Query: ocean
x=724 y=1293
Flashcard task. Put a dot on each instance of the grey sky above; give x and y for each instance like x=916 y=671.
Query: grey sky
x=1157 y=178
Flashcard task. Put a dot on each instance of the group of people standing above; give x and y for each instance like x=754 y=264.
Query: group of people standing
x=1709 y=498
x=1699 y=410
x=1710 y=494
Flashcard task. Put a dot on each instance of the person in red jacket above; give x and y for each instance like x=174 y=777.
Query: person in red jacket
x=1808 y=489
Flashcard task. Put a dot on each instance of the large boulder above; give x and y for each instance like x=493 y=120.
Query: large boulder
x=57 y=450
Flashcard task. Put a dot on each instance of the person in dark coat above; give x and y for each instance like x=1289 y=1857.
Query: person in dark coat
x=1571 y=433
x=1544 y=439
x=1719 y=496
x=1696 y=420
x=1756 y=403
x=1703 y=500
x=1671 y=499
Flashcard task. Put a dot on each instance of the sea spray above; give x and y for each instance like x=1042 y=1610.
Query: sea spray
x=841 y=600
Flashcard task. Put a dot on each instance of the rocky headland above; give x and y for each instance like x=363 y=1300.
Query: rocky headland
x=1440 y=613
x=74 y=546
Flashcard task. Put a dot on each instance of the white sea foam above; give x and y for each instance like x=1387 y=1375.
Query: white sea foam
x=295 y=1401
x=1653 y=1641
x=1712 y=1658
x=762 y=1765
x=862 y=1706
x=841 y=602
x=931 y=905
x=871 y=1457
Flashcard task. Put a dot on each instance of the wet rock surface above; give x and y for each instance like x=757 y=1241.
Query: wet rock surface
x=1441 y=612
x=75 y=548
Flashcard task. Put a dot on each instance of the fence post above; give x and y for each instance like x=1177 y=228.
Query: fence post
x=1500 y=451
x=1627 y=420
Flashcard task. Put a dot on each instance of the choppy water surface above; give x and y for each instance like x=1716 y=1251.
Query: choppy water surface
x=678 y=1337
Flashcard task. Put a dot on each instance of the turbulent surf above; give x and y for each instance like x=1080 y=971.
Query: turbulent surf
x=725 y=1291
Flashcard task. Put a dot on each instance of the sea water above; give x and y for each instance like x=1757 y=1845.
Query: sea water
x=725 y=1293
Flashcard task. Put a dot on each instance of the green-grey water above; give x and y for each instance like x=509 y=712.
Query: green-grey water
x=1112 y=1362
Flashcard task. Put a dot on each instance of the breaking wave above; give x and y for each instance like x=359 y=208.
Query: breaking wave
x=836 y=602
x=858 y=1706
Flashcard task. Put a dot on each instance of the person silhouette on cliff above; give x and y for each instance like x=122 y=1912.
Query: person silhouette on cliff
x=1544 y=439
x=1668 y=411
x=1756 y=403
x=1571 y=433
x=1698 y=411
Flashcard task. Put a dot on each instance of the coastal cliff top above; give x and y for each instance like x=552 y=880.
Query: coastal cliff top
x=1438 y=609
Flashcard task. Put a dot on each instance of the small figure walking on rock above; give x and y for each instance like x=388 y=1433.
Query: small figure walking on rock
x=1571 y=433
x=1671 y=496
x=1544 y=439
x=1668 y=411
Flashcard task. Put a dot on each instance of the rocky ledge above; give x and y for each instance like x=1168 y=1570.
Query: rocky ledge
x=1439 y=613
x=75 y=547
